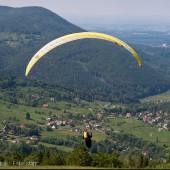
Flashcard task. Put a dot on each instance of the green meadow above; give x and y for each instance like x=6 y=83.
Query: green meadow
x=141 y=129
x=133 y=126
x=163 y=96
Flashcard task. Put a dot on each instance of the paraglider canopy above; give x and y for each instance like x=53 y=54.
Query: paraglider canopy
x=75 y=36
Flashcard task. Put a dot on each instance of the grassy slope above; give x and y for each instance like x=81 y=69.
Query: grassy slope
x=19 y=112
x=163 y=96
x=128 y=125
x=9 y=110
x=141 y=130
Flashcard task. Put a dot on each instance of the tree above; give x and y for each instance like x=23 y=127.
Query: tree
x=28 y=115
x=51 y=157
x=141 y=161
x=48 y=128
x=79 y=156
x=168 y=126
x=114 y=160
x=128 y=160
x=100 y=160
x=168 y=160
x=50 y=113
x=107 y=160
x=33 y=131
x=35 y=156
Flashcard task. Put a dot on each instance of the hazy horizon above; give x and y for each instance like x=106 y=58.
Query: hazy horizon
x=103 y=11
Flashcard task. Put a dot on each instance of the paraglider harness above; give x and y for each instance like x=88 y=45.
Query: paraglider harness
x=87 y=138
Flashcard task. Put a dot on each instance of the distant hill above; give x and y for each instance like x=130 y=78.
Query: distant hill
x=96 y=66
x=34 y=20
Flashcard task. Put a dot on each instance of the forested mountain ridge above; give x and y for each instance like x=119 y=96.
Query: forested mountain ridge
x=34 y=20
x=99 y=66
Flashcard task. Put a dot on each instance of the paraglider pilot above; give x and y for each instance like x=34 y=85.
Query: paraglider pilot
x=87 y=137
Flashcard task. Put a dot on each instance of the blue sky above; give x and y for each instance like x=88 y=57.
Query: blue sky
x=79 y=11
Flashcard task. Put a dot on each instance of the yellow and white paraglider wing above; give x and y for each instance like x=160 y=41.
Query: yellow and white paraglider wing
x=76 y=36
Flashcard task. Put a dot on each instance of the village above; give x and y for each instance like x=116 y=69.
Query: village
x=95 y=121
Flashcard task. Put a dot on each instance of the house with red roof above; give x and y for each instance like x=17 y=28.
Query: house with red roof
x=45 y=105
x=22 y=126
x=146 y=152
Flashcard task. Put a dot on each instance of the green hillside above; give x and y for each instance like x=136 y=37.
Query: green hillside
x=100 y=68
x=89 y=85
x=141 y=130
x=23 y=115
x=157 y=98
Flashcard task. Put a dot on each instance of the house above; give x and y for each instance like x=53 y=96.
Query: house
x=78 y=130
x=59 y=123
x=128 y=114
x=53 y=127
x=67 y=122
x=146 y=119
x=64 y=122
x=103 y=111
x=114 y=141
x=52 y=99
x=51 y=123
x=22 y=126
x=45 y=105
x=99 y=115
x=11 y=132
x=48 y=118
x=146 y=152
x=61 y=116
x=165 y=126
x=15 y=140
x=96 y=125
x=34 y=137
x=87 y=126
